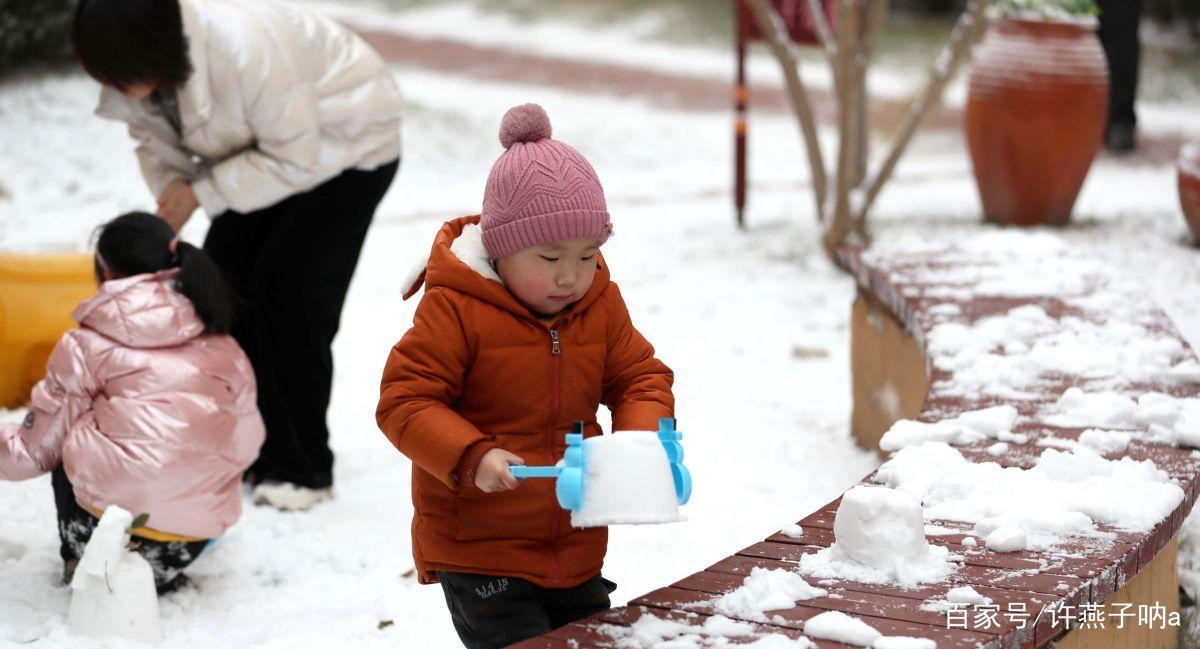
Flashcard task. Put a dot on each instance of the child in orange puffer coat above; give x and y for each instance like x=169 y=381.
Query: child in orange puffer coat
x=520 y=333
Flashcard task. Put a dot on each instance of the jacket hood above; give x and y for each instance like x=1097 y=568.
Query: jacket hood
x=459 y=261
x=142 y=311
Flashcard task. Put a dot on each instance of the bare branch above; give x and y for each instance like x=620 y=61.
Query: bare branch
x=873 y=23
x=816 y=9
x=848 y=102
x=776 y=36
x=873 y=17
x=968 y=28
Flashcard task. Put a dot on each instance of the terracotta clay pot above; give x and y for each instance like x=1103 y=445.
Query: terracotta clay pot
x=1189 y=187
x=1037 y=102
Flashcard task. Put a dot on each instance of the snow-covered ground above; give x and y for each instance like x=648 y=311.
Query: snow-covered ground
x=753 y=322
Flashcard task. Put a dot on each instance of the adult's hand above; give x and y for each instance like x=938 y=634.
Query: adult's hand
x=176 y=204
x=493 y=475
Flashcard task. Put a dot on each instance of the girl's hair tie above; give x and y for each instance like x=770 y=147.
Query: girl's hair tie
x=173 y=246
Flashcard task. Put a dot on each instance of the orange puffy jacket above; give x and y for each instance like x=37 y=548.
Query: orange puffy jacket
x=478 y=371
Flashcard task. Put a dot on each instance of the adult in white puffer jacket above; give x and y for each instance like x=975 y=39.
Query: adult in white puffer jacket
x=285 y=127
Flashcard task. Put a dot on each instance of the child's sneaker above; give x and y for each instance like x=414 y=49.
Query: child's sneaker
x=288 y=497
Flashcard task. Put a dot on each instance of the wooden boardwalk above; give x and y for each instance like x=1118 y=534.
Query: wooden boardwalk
x=1050 y=587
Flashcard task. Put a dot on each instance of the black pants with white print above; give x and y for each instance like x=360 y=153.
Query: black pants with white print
x=75 y=525
x=491 y=612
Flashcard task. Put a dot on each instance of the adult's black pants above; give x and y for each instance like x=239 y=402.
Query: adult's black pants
x=1119 y=21
x=290 y=266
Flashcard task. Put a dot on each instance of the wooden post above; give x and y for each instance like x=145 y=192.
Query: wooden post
x=739 y=126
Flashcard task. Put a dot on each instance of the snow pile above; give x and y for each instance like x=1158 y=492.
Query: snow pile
x=839 y=627
x=1189 y=562
x=1161 y=417
x=880 y=539
x=1002 y=535
x=966 y=595
x=1107 y=409
x=955 y=598
x=793 y=531
x=627 y=480
x=1007 y=356
x=967 y=428
x=766 y=590
x=1065 y=493
x=655 y=632
x=112 y=592
x=1105 y=442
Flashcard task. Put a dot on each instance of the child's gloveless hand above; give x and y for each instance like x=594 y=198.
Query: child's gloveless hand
x=493 y=475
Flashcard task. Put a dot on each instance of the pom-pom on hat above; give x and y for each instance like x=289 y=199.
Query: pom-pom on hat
x=540 y=190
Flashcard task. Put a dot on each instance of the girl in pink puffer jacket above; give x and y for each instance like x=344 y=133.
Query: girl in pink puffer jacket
x=149 y=404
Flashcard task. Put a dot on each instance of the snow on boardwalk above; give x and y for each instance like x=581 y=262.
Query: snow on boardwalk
x=1095 y=396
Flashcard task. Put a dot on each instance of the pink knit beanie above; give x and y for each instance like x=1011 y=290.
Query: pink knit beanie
x=540 y=190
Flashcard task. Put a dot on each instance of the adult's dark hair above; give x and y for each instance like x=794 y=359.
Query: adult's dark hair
x=122 y=42
x=137 y=243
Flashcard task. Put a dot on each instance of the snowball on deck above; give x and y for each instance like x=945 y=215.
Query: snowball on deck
x=880 y=538
x=966 y=595
x=793 y=531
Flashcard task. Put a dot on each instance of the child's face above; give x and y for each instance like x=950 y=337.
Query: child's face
x=548 y=278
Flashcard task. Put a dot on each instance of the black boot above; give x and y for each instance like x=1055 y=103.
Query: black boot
x=1119 y=137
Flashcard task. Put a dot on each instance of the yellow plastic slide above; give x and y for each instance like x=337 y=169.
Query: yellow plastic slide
x=38 y=291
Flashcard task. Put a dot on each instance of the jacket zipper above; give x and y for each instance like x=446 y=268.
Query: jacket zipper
x=555 y=355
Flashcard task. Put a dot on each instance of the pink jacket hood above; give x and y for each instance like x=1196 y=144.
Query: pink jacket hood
x=142 y=311
x=145 y=410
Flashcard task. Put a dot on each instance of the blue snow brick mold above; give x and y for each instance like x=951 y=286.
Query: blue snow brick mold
x=569 y=473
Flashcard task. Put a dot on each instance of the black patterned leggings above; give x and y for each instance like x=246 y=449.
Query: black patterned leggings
x=491 y=612
x=75 y=525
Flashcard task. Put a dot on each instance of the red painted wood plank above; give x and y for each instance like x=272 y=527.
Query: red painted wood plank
x=544 y=642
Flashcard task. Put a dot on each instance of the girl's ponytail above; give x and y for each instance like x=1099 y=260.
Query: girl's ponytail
x=202 y=282
x=137 y=243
